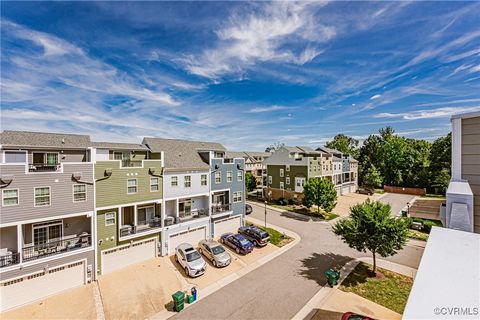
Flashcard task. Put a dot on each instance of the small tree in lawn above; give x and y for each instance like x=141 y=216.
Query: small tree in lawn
x=321 y=193
x=250 y=182
x=371 y=227
x=372 y=178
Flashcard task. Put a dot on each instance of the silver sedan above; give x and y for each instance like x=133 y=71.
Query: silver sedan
x=215 y=252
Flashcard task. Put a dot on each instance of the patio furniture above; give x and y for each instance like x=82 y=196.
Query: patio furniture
x=169 y=220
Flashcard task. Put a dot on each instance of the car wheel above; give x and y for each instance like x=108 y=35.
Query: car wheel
x=237 y=250
x=255 y=243
x=214 y=263
x=186 y=271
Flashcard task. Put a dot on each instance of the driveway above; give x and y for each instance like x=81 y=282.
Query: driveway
x=281 y=287
x=397 y=201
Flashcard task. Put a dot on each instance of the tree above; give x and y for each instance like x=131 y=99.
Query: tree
x=343 y=143
x=250 y=182
x=320 y=192
x=274 y=147
x=371 y=227
x=441 y=180
x=372 y=178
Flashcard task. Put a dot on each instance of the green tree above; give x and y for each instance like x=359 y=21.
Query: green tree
x=441 y=180
x=274 y=147
x=250 y=182
x=371 y=227
x=321 y=193
x=343 y=143
x=372 y=178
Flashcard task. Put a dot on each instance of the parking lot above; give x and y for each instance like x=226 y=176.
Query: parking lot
x=346 y=201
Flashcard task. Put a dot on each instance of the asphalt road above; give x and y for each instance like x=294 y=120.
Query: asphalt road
x=397 y=201
x=281 y=287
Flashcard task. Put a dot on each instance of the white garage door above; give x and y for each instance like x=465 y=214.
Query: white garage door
x=353 y=188
x=226 y=225
x=192 y=236
x=36 y=286
x=345 y=190
x=121 y=257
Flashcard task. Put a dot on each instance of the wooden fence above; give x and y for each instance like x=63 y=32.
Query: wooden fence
x=413 y=191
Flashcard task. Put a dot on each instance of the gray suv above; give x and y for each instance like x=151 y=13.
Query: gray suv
x=214 y=252
x=190 y=260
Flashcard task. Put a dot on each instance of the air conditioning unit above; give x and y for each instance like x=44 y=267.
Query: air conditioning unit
x=459 y=211
x=77 y=175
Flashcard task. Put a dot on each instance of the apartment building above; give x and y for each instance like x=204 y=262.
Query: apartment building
x=129 y=198
x=47 y=215
x=253 y=162
x=289 y=168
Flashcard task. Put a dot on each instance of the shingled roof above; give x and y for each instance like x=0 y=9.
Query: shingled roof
x=182 y=154
x=119 y=146
x=44 y=139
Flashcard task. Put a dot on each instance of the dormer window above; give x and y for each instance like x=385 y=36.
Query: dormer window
x=218 y=154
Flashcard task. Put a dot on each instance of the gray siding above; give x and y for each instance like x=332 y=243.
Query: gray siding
x=471 y=162
x=11 y=274
x=61 y=193
x=233 y=186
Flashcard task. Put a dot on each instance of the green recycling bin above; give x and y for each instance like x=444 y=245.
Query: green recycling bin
x=178 y=300
x=332 y=277
x=190 y=299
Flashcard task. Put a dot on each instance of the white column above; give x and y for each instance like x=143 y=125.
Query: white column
x=135 y=215
x=456 y=149
x=176 y=207
x=120 y=222
x=20 y=242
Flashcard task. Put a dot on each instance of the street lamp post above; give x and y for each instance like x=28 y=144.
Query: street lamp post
x=408 y=209
x=265 y=213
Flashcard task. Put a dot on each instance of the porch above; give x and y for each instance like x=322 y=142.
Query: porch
x=221 y=202
x=138 y=219
x=185 y=209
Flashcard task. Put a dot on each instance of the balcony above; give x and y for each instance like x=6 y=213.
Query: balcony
x=139 y=220
x=221 y=208
x=44 y=167
x=8 y=258
x=50 y=248
x=127 y=230
x=127 y=163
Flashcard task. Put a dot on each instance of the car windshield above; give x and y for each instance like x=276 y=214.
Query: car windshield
x=218 y=250
x=192 y=256
x=243 y=242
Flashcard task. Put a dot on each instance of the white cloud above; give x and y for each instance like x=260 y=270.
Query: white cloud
x=428 y=114
x=375 y=97
x=269 y=109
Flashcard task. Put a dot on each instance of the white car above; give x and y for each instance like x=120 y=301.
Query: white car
x=191 y=261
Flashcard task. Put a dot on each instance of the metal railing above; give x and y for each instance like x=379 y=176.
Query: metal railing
x=56 y=247
x=220 y=208
x=9 y=259
x=43 y=167
x=186 y=216
x=127 y=230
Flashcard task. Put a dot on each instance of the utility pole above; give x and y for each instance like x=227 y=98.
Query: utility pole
x=265 y=213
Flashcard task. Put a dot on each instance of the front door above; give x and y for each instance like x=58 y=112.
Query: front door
x=219 y=198
x=299 y=182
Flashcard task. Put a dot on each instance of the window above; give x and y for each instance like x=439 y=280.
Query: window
x=42 y=196
x=229 y=176
x=218 y=177
x=281 y=173
x=121 y=155
x=10 y=197
x=185 y=208
x=287 y=180
x=153 y=184
x=281 y=185
x=79 y=193
x=109 y=219
x=174 y=181
x=269 y=179
x=132 y=186
x=145 y=215
x=45 y=158
x=287 y=168
x=47 y=232
x=239 y=176
x=203 y=180
x=187 y=181
x=237 y=196
x=218 y=155
x=15 y=157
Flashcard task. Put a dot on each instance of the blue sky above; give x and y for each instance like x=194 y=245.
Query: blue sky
x=246 y=74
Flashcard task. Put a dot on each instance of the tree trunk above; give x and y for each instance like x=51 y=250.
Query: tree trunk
x=374 y=263
x=318 y=209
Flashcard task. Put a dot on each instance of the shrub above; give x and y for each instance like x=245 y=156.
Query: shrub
x=427 y=225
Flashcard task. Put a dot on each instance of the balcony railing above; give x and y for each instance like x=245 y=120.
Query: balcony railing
x=9 y=259
x=43 y=167
x=186 y=216
x=221 y=207
x=131 y=164
x=128 y=230
x=56 y=247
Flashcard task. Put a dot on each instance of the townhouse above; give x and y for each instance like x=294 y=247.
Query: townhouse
x=253 y=162
x=129 y=198
x=289 y=168
x=47 y=215
x=203 y=191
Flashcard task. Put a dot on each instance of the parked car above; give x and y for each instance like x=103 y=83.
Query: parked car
x=256 y=235
x=190 y=260
x=237 y=242
x=248 y=209
x=367 y=191
x=214 y=252
x=354 y=316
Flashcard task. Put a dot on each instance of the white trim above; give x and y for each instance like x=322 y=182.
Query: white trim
x=53 y=223
x=158 y=184
x=128 y=204
x=220 y=190
x=49 y=197
x=231 y=176
x=456 y=149
x=114 y=218
x=187 y=196
x=78 y=214
x=15 y=163
x=18 y=197
x=136 y=186
x=73 y=192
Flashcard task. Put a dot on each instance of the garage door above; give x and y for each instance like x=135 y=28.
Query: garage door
x=124 y=256
x=192 y=236
x=353 y=188
x=345 y=190
x=36 y=286
x=226 y=225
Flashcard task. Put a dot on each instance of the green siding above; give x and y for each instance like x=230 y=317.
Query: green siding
x=295 y=171
x=134 y=156
x=112 y=191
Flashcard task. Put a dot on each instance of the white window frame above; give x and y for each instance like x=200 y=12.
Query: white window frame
x=282 y=186
x=146 y=207
x=49 y=197
x=270 y=180
x=282 y=173
x=174 y=181
x=237 y=197
x=73 y=192
x=287 y=168
x=217 y=154
x=46 y=225
x=14 y=151
x=10 y=205
x=185 y=181
x=155 y=184
x=107 y=224
x=218 y=177
x=239 y=175
x=203 y=180
x=136 y=186
x=45 y=157
x=287 y=180
x=229 y=176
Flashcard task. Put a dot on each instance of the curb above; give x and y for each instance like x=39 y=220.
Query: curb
x=165 y=314
x=391 y=266
x=305 y=217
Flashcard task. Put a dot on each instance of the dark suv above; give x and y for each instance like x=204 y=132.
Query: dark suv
x=256 y=235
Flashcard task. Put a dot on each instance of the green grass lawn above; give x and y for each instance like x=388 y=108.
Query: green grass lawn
x=418 y=235
x=391 y=291
x=312 y=212
x=276 y=237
